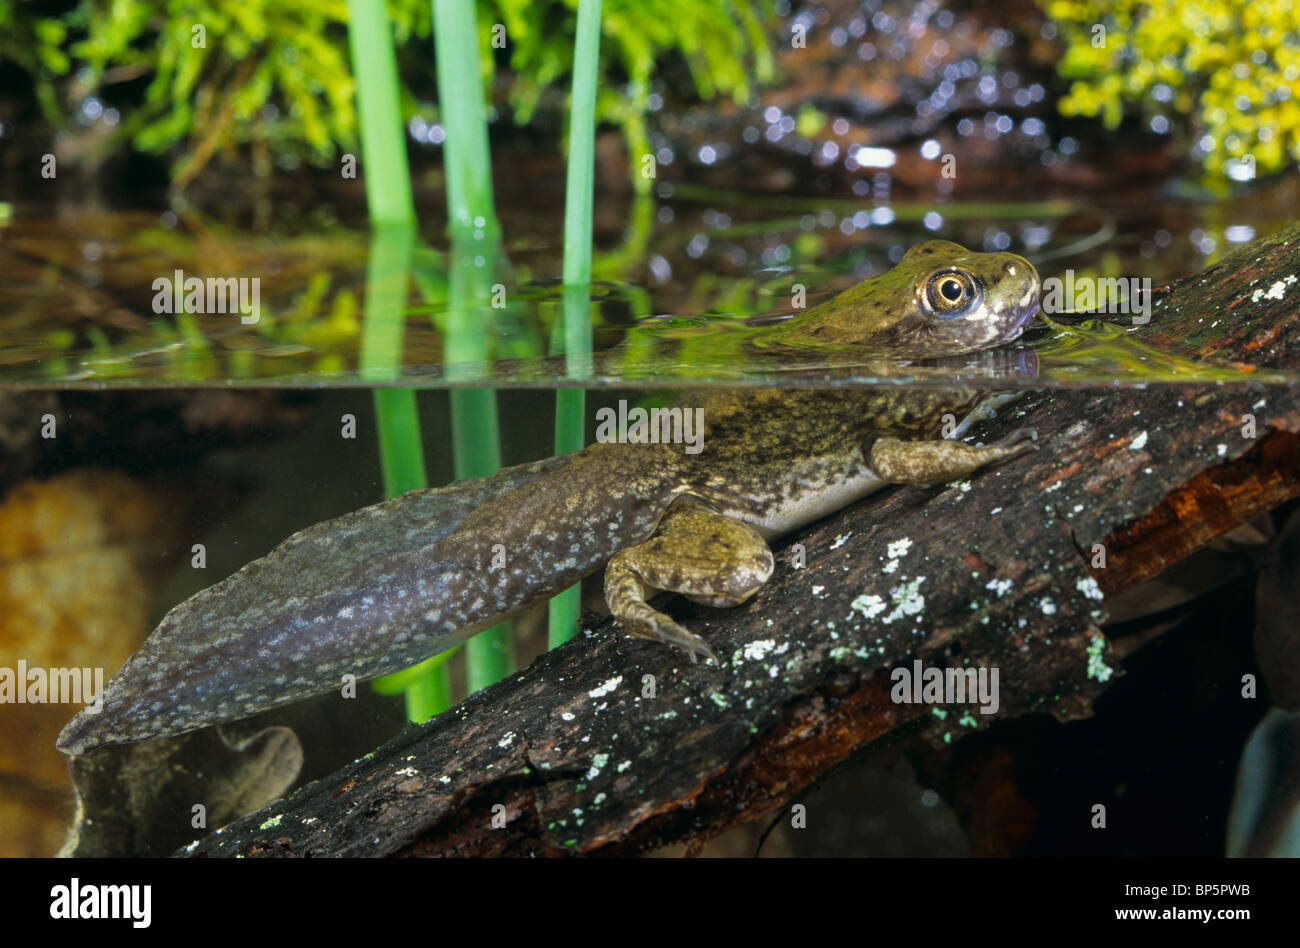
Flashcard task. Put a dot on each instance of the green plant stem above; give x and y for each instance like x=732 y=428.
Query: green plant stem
x=570 y=403
x=460 y=101
x=383 y=145
x=475 y=240
x=488 y=656
x=426 y=687
x=565 y=609
x=399 y=440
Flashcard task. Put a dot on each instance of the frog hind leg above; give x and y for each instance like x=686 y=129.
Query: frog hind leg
x=937 y=462
x=696 y=551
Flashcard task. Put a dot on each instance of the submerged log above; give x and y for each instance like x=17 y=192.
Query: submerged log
x=611 y=745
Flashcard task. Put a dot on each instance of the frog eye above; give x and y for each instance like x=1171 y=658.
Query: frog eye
x=950 y=291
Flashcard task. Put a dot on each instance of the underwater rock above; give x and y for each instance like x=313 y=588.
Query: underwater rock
x=147 y=799
x=1265 y=818
x=79 y=571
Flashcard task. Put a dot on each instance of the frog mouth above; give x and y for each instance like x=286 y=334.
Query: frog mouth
x=1024 y=320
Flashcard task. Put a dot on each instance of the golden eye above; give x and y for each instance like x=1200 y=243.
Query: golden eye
x=950 y=291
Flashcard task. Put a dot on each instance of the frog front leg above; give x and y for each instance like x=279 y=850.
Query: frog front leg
x=937 y=462
x=696 y=551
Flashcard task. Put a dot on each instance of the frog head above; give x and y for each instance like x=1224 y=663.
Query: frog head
x=941 y=299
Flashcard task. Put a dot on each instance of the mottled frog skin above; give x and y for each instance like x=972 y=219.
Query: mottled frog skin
x=384 y=587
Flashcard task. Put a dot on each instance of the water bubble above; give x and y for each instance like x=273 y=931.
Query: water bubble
x=1035 y=237
x=871 y=157
x=1239 y=170
x=661 y=270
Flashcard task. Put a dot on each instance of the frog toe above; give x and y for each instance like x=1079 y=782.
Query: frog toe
x=674 y=634
x=1021 y=436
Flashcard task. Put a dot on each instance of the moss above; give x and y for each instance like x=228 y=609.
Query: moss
x=1229 y=70
x=276 y=76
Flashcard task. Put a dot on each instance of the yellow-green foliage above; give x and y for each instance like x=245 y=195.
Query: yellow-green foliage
x=1231 y=67
x=293 y=57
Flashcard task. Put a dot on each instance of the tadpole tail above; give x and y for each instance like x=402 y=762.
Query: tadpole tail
x=364 y=594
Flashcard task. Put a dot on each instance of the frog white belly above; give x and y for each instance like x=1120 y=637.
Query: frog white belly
x=802 y=507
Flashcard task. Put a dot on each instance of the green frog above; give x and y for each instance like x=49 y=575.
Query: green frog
x=384 y=587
